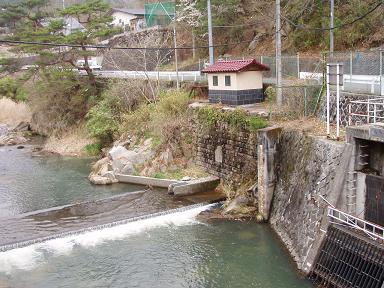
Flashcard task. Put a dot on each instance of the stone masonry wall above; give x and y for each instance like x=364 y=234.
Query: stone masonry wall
x=306 y=168
x=345 y=99
x=228 y=154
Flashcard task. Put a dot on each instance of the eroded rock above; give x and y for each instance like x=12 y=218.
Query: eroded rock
x=12 y=139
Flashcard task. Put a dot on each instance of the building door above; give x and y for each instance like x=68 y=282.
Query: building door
x=374 y=204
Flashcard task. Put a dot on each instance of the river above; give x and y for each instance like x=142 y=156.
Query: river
x=173 y=250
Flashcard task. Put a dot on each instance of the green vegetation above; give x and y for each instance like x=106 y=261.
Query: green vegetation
x=237 y=119
x=93 y=149
x=11 y=88
x=166 y=120
x=59 y=100
x=29 y=20
x=101 y=123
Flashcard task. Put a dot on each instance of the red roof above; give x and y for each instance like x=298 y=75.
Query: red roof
x=235 y=66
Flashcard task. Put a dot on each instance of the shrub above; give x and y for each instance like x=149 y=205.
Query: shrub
x=93 y=149
x=256 y=123
x=59 y=99
x=209 y=116
x=101 y=123
x=12 y=89
x=166 y=120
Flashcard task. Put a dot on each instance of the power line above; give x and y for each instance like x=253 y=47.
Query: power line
x=299 y=26
x=51 y=44
x=303 y=27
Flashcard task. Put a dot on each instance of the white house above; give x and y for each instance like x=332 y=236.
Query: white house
x=236 y=82
x=71 y=25
x=128 y=19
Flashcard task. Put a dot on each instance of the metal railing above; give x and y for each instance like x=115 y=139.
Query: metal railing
x=371 y=229
x=370 y=111
x=155 y=75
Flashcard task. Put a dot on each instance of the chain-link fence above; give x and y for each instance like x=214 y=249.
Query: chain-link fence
x=363 y=71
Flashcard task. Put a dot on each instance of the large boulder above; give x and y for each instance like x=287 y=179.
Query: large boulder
x=12 y=139
x=3 y=129
x=101 y=175
x=237 y=206
x=22 y=127
x=123 y=160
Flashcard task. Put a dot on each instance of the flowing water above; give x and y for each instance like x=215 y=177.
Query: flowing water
x=30 y=183
x=168 y=250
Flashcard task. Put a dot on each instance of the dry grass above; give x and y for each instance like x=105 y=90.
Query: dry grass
x=13 y=113
x=311 y=126
x=71 y=143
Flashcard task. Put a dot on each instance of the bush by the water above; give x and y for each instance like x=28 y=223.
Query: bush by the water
x=13 y=89
x=168 y=119
x=60 y=99
x=101 y=122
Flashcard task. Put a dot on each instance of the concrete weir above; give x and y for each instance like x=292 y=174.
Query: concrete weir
x=175 y=187
x=149 y=181
x=194 y=186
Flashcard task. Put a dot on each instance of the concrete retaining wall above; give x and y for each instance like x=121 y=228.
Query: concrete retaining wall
x=306 y=167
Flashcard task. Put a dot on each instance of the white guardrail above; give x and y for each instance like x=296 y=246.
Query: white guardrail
x=373 y=230
x=157 y=75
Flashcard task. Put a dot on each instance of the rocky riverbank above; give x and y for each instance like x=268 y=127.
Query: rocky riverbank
x=13 y=136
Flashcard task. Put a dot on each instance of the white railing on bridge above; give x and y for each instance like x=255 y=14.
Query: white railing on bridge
x=370 y=111
x=373 y=230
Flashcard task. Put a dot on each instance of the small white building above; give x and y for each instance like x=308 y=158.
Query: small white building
x=236 y=82
x=128 y=19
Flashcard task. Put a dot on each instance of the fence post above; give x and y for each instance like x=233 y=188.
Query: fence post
x=261 y=59
x=381 y=74
x=298 y=65
x=338 y=102
x=368 y=111
x=305 y=101
x=349 y=113
x=350 y=66
x=328 y=108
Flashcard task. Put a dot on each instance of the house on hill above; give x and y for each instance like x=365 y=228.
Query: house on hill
x=236 y=82
x=128 y=19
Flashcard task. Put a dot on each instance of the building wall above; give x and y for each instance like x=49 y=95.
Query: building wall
x=126 y=18
x=221 y=85
x=239 y=81
x=249 y=80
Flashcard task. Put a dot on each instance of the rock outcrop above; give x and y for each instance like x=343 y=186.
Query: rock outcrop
x=10 y=137
x=120 y=160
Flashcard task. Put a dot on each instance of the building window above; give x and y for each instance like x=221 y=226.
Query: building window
x=215 y=80
x=227 y=80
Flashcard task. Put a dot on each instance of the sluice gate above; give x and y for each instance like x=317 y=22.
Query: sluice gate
x=347 y=259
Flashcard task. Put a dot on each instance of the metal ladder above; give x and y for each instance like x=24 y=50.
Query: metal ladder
x=351 y=192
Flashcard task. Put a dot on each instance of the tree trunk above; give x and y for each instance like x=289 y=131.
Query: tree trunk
x=88 y=69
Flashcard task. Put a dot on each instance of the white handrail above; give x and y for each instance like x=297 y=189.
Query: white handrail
x=368 y=109
x=367 y=227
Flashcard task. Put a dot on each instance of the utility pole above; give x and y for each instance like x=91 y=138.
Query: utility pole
x=279 y=92
x=176 y=60
x=332 y=26
x=63 y=4
x=210 y=37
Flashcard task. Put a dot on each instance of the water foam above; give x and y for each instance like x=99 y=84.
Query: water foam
x=28 y=257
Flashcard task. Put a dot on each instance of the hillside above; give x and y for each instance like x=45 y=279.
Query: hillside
x=304 y=25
